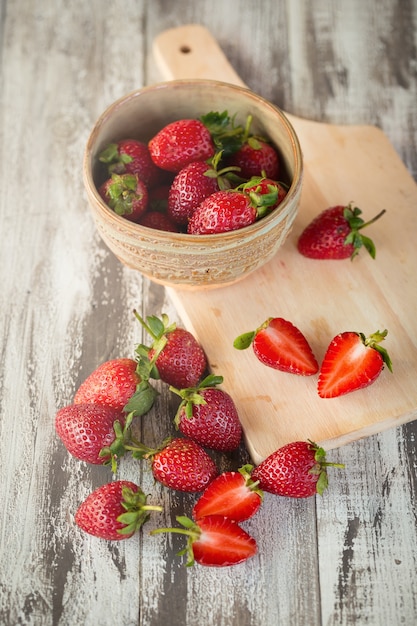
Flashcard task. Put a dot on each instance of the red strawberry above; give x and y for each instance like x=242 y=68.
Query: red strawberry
x=114 y=511
x=132 y=157
x=180 y=143
x=126 y=195
x=189 y=188
x=296 y=470
x=214 y=541
x=279 y=344
x=209 y=416
x=229 y=210
x=158 y=198
x=179 y=464
x=159 y=220
x=232 y=494
x=175 y=355
x=264 y=186
x=335 y=234
x=113 y=383
x=92 y=433
x=352 y=361
x=256 y=157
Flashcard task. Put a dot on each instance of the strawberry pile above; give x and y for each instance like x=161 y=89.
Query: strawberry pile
x=196 y=176
x=97 y=429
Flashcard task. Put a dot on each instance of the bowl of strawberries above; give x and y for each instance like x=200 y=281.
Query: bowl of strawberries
x=195 y=183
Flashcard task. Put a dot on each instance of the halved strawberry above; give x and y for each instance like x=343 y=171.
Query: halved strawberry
x=232 y=494
x=214 y=541
x=279 y=344
x=352 y=361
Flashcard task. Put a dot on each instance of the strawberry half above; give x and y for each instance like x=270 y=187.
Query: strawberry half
x=232 y=494
x=209 y=416
x=335 y=234
x=352 y=361
x=114 y=511
x=296 y=470
x=279 y=344
x=214 y=541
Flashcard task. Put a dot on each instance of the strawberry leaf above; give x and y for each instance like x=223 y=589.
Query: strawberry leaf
x=244 y=341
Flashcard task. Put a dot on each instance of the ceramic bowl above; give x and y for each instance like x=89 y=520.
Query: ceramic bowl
x=182 y=260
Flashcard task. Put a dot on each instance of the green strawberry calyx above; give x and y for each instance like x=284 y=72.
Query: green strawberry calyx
x=119 y=445
x=262 y=202
x=192 y=396
x=158 y=329
x=115 y=160
x=320 y=467
x=190 y=529
x=373 y=341
x=243 y=341
x=226 y=135
x=252 y=485
x=356 y=224
x=122 y=193
x=137 y=511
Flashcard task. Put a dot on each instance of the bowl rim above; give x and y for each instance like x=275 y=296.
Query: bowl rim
x=205 y=239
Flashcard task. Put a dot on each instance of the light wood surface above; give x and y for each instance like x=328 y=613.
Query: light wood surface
x=66 y=305
x=321 y=298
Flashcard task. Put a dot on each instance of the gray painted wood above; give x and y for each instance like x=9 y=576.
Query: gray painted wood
x=66 y=306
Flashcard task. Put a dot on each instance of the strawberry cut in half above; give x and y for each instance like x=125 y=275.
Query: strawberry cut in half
x=279 y=344
x=352 y=361
x=214 y=541
x=232 y=494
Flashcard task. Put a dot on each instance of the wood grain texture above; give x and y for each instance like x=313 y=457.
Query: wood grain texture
x=349 y=557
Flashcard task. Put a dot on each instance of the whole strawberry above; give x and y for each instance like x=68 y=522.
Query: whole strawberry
x=256 y=157
x=296 y=470
x=335 y=234
x=352 y=361
x=189 y=188
x=160 y=221
x=126 y=195
x=214 y=541
x=92 y=433
x=175 y=356
x=130 y=156
x=209 y=416
x=114 y=511
x=264 y=186
x=229 y=210
x=112 y=384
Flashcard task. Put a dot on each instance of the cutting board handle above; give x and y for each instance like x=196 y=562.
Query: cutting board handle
x=190 y=51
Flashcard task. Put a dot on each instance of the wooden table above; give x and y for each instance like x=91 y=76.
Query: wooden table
x=348 y=557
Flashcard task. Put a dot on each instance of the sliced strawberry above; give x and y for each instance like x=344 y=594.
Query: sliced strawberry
x=114 y=511
x=213 y=541
x=232 y=494
x=279 y=344
x=352 y=361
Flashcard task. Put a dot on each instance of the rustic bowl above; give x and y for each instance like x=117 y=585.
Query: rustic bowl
x=182 y=260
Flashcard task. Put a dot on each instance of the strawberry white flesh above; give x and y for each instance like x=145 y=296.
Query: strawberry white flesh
x=351 y=362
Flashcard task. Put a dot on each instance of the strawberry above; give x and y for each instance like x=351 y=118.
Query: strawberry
x=179 y=463
x=189 y=188
x=183 y=141
x=159 y=220
x=113 y=383
x=279 y=344
x=256 y=157
x=175 y=356
x=352 y=361
x=232 y=494
x=335 y=234
x=126 y=195
x=116 y=383
x=114 y=511
x=92 y=433
x=130 y=156
x=228 y=210
x=296 y=470
x=264 y=186
x=213 y=541
x=209 y=416
x=158 y=197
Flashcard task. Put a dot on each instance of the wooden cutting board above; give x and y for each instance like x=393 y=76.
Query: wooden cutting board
x=322 y=298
